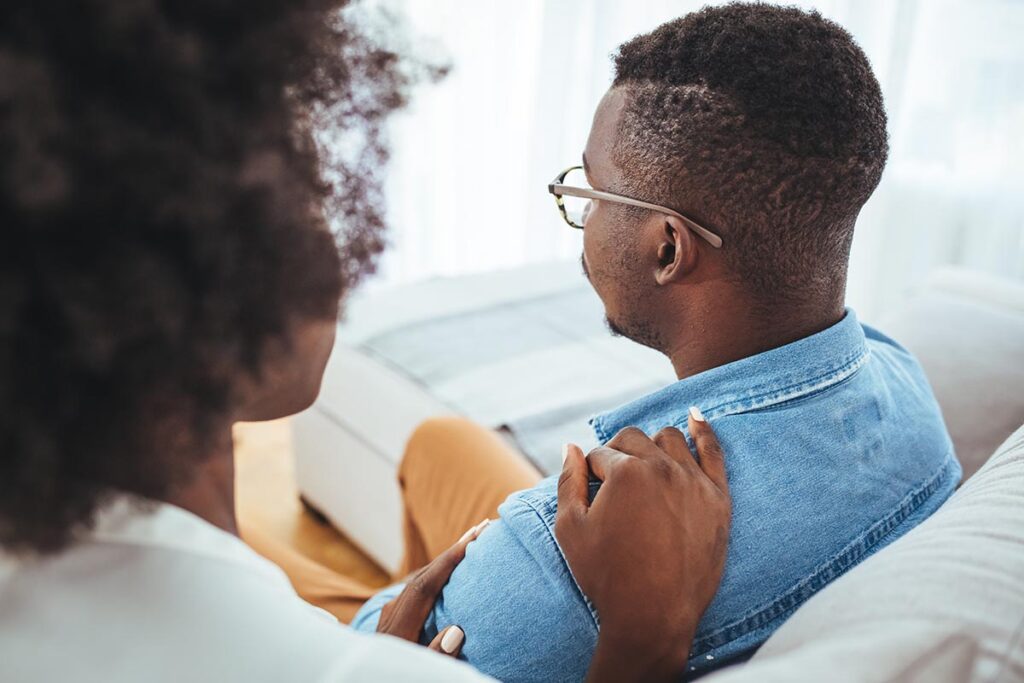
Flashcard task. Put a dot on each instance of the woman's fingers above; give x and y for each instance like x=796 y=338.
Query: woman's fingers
x=712 y=458
x=449 y=641
x=573 y=493
x=405 y=615
x=633 y=441
x=574 y=482
x=602 y=459
x=673 y=442
x=436 y=574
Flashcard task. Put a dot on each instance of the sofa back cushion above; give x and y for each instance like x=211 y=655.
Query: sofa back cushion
x=967 y=331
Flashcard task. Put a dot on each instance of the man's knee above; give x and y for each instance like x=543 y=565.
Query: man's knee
x=434 y=443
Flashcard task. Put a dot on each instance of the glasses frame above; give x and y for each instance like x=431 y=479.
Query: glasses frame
x=558 y=188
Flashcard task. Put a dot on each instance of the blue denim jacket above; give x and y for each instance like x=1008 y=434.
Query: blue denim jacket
x=834 y=448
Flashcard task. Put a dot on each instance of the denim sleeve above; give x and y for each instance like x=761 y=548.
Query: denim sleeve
x=524 y=616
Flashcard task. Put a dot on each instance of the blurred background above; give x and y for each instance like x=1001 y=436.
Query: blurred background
x=473 y=154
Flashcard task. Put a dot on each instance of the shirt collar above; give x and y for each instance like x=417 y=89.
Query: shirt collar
x=786 y=372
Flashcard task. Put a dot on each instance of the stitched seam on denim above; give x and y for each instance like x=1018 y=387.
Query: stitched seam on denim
x=754 y=400
x=851 y=555
x=579 y=591
x=788 y=393
x=800 y=397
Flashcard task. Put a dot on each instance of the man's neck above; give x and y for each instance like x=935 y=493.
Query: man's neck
x=211 y=493
x=741 y=332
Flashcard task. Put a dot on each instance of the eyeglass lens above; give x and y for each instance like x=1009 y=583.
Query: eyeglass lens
x=576 y=208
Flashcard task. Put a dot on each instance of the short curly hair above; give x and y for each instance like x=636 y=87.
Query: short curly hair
x=167 y=207
x=764 y=122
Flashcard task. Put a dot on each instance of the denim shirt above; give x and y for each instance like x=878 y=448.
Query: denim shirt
x=834 y=448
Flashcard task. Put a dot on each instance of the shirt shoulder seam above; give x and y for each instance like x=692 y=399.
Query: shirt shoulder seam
x=561 y=557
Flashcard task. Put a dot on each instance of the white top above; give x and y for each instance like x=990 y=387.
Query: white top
x=168 y=597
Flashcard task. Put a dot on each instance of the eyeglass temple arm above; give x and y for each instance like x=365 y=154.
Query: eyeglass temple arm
x=556 y=188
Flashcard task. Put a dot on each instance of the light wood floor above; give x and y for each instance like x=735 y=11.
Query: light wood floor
x=266 y=498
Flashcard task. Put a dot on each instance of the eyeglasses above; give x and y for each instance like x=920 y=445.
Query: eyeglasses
x=573 y=196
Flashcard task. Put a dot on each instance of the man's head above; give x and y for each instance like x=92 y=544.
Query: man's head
x=766 y=125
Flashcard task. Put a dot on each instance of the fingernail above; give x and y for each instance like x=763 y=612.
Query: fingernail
x=565 y=453
x=696 y=414
x=482 y=525
x=468 y=534
x=452 y=639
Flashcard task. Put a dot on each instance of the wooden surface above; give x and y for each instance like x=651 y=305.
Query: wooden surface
x=266 y=497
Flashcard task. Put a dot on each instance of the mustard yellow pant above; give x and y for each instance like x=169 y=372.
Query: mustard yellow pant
x=454 y=474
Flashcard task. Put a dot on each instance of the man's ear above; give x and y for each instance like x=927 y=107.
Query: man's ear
x=677 y=251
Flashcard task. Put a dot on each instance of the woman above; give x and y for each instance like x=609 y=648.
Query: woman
x=168 y=270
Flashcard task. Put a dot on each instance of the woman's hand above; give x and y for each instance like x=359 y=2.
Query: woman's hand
x=650 y=551
x=404 y=616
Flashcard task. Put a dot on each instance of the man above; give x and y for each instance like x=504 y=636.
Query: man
x=752 y=135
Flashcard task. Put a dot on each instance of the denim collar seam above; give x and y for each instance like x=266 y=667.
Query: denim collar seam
x=812 y=385
x=861 y=546
x=771 y=394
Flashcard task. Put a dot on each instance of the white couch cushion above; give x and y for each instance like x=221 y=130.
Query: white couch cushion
x=967 y=330
x=911 y=651
x=953 y=586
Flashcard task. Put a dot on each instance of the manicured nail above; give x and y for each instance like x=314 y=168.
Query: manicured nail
x=452 y=639
x=468 y=534
x=696 y=414
x=482 y=525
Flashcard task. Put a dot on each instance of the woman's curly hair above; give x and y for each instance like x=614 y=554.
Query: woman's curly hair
x=166 y=202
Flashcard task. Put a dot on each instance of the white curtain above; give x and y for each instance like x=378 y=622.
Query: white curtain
x=473 y=155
